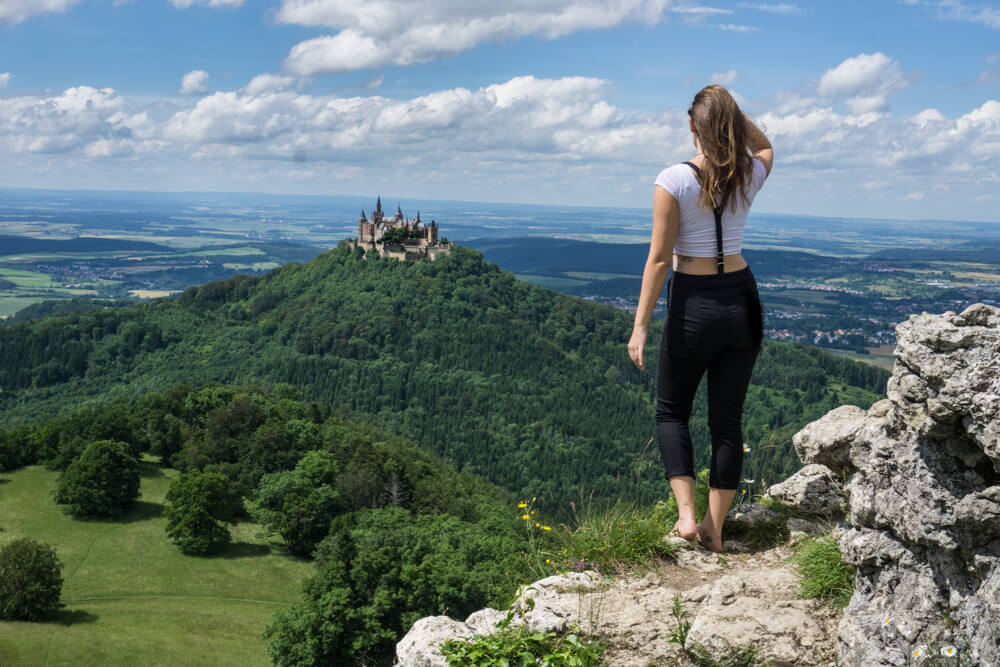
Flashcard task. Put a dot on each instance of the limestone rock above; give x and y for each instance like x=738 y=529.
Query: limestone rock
x=801 y=529
x=420 y=646
x=783 y=632
x=813 y=490
x=748 y=516
x=828 y=440
x=484 y=621
x=923 y=523
x=633 y=614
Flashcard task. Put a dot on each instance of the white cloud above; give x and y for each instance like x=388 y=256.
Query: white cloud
x=263 y=83
x=184 y=4
x=723 y=78
x=957 y=10
x=193 y=83
x=695 y=10
x=15 y=11
x=926 y=117
x=865 y=75
x=783 y=8
x=864 y=104
x=732 y=27
x=378 y=33
x=4 y=80
x=67 y=122
x=916 y=196
x=551 y=134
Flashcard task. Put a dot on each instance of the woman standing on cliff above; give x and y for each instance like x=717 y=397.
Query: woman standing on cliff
x=714 y=321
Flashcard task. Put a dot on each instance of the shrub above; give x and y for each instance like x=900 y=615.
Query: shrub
x=102 y=482
x=30 y=581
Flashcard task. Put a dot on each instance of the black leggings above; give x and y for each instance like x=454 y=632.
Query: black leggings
x=714 y=323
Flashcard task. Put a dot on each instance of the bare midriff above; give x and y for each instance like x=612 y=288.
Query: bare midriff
x=705 y=265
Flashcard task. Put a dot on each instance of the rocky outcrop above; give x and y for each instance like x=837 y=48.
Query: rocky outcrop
x=912 y=486
x=730 y=603
x=923 y=488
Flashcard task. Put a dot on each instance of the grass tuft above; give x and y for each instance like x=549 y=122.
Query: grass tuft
x=824 y=573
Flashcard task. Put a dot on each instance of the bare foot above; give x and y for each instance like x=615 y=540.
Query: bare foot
x=686 y=528
x=711 y=542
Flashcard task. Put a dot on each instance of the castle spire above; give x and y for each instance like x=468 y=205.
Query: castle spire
x=378 y=206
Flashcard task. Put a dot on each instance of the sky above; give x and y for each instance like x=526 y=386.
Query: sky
x=876 y=109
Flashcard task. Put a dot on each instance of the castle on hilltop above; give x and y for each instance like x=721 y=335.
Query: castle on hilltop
x=397 y=236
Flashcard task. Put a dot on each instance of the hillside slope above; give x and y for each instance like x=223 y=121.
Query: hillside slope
x=525 y=386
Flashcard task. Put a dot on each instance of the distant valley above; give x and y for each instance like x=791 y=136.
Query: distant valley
x=836 y=283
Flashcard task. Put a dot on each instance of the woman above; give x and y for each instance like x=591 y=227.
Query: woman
x=713 y=308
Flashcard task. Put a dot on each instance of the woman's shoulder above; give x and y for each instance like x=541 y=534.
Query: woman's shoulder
x=671 y=178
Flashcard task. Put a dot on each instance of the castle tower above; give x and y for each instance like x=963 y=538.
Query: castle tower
x=377 y=215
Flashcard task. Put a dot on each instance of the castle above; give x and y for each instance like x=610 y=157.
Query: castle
x=398 y=237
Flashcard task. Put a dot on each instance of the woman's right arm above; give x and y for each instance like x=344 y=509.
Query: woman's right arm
x=759 y=144
x=666 y=217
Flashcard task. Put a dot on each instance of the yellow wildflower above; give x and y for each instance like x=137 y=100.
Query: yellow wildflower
x=525 y=517
x=532 y=499
x=546 y=528
x=522 y=505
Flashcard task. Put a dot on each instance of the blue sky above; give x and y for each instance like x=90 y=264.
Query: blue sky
x=875 y=109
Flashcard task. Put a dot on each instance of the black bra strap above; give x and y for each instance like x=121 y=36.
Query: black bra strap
x=720 y=259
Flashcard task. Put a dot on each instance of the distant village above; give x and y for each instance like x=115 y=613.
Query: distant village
x=398 y=236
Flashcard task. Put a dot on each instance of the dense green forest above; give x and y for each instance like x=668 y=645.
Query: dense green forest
x=524 y=386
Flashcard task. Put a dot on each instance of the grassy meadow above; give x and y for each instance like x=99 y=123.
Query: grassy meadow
x=131 y=596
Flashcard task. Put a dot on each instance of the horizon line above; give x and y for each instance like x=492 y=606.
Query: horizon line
x=468 y=201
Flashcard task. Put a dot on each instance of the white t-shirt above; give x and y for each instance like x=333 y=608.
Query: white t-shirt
x=696 y=230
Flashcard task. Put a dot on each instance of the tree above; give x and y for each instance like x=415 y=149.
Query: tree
x=199 y=504
x=30 y=581
x=102 y=482
x=385 y=568
x=299 y=504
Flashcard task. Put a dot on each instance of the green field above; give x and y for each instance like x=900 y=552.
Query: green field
x=10 y=305
x=132 y=597
x=551 y=282
x=256 y=266
x=235 y=252
x=879 y=360
x=587 y=275
x=26 y=278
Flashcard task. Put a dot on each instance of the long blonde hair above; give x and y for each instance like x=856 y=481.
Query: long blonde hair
x=720 y=127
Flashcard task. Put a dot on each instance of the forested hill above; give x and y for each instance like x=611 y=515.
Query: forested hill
x=528 y=387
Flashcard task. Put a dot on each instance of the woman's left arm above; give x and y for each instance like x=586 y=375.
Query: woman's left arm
x=666 y=216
